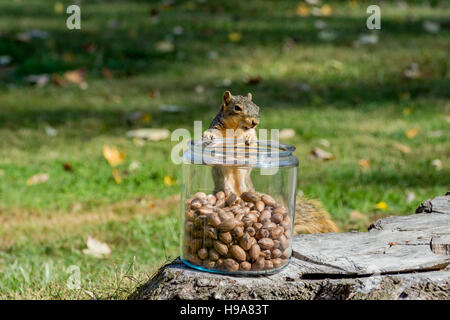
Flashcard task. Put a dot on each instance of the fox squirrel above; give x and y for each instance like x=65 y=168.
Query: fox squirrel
x=241 y=114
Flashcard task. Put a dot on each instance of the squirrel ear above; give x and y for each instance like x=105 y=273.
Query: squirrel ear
x=227 y=97
x=249 y=96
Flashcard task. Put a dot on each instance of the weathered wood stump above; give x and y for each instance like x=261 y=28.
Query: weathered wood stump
x=401 y=257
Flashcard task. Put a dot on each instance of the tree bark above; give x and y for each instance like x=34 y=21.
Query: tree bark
x=401 y=257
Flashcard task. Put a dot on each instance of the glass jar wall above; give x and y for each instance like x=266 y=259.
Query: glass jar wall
x=238 y=207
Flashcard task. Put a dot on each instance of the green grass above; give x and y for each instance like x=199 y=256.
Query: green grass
x=357 y=99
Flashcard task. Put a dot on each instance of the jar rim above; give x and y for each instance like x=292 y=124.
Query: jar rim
x=231 y=152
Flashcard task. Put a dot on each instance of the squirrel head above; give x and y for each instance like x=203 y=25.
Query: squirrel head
x=240 y=110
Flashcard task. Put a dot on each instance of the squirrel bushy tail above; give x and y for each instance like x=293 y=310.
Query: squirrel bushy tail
x=310 y=217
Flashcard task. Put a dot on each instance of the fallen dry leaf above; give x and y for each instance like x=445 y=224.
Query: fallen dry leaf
x=38 y=178
x=67 y=166
x=171 y=108
x=326 y=10
x=252 y=80
x=356 y=215
x=407 y=111
x=382 y=205
x=146 y=118
x=403 y=148
x=52 y=132
x=437 y=164
x=75 y=76
x=410 y=196
x=107 y=74
x=116 y=176
x=287 y=134
x=412 y=71
x=149 y=134
x=68 y=57
x=321 y=154
x=392 y=244
x=113 y=156
x=325 y=143
x=153 y=94
x=302 y=10
x=411 y=133
x=90 y=294
x=431 y=26
x=164 y=46
x=364 y=164
x=96 y=248
x=169 y=181
x=235 y=36
x=58 y=7
x=27 y=36
x=134 y=166
x=58 y=80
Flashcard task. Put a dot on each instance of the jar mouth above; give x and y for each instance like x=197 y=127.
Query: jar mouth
x=231 y=152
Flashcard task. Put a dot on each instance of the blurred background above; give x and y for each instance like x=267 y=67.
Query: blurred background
x=368 y=111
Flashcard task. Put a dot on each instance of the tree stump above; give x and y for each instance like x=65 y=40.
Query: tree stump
x=401 y=257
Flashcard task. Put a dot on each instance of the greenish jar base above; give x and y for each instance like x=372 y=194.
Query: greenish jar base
x=237 y=273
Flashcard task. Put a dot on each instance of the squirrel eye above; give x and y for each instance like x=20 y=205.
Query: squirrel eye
x=237 y=108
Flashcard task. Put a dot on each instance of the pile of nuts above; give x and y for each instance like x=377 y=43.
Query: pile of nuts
x=225 y=232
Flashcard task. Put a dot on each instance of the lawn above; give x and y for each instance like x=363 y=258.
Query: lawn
x=381 y=108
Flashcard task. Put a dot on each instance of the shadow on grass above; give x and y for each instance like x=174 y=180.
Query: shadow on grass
x=364 y=97
x=206 y=28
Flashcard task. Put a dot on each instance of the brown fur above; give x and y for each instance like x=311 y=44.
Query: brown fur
x=310 y=217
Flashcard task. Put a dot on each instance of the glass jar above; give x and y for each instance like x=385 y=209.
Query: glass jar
x=238 y=206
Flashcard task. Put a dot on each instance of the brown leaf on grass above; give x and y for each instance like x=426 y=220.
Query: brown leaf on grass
x=90 y=294
x=302 y=10
x=96 y=248
x=326 y=10
x=411 y=133
x=58 y=7
x=38 y=178
x=252 y=80
x=67 y=166
x=75 y=76
x=57 y=80
x=437 y=164
x=152 y=134
x=288 y=133
x=113 y=156
x=382 y=205
x=403 y=148
x=235 y=36
x=364 y=164
x=153 y=94
x=107 y=74
x=321 y=154
x=116 y=176
x=164 y=46
x=412 y=71
x=89 y=47
x=169 y=181
x=356 y=215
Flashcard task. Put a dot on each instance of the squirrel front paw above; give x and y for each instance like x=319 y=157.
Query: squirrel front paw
x=251 y=140
x=210 y=135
